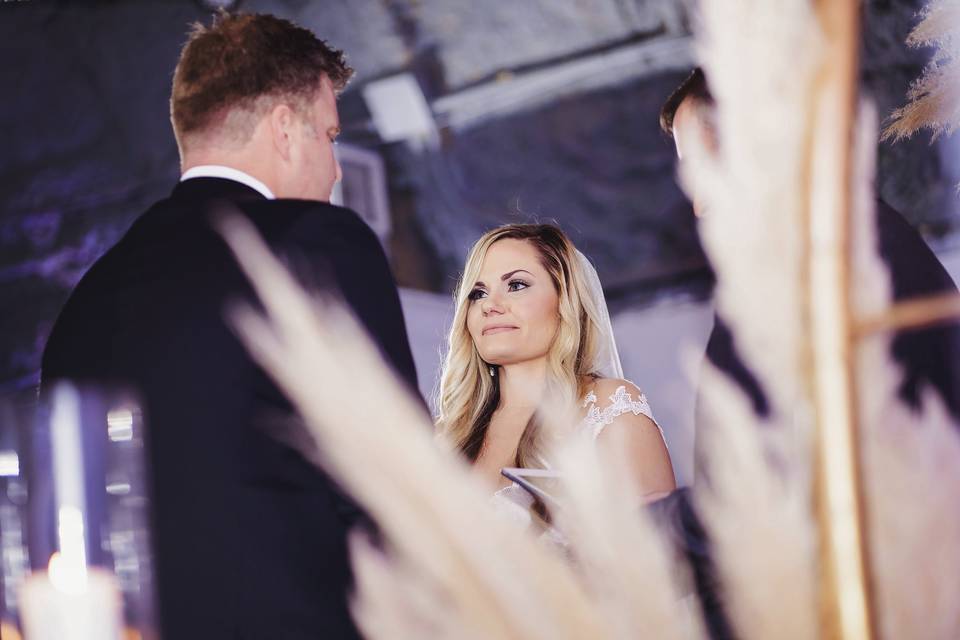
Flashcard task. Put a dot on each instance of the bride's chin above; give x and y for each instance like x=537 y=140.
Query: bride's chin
x=496 y=359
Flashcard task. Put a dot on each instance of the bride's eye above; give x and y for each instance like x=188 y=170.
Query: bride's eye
x=517 y=285
x=476 y=294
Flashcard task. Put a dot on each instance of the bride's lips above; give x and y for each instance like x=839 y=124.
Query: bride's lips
x=498 y=328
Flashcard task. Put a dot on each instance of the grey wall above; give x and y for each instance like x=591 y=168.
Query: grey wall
x=87 y=143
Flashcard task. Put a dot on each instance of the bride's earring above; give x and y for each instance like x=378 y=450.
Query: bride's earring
x=492 y=371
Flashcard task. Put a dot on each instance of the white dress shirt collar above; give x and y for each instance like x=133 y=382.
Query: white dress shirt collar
x=220 y=171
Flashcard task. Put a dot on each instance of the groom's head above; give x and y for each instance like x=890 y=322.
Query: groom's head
x=258 y=93
x=687 y=117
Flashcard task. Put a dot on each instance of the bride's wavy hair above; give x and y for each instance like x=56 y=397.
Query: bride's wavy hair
x=469 y=395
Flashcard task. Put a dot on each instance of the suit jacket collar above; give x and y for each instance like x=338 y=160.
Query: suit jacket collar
x=215 y=188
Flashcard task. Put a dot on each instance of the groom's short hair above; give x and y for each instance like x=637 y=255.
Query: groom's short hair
x=246 y=63
x=694 y=87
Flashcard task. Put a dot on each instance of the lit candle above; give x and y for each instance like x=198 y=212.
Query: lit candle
x=70 y=602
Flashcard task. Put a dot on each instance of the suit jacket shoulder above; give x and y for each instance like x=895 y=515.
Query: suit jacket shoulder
x=331 y=249
x=174 y=248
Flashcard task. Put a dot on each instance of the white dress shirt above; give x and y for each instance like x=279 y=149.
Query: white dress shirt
x=220 y=171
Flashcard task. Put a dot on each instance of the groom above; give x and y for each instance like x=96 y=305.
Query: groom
x=250 y=539
x=928 y=357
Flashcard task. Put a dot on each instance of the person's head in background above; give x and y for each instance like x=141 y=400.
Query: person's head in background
x=687 y=117
x=258 y=94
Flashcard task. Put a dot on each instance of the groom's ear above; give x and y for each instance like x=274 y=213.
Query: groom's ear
x=283 y=124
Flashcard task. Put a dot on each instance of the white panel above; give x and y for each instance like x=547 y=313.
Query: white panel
x=364 y=188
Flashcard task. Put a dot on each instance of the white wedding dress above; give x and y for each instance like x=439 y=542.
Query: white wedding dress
x=514 y=503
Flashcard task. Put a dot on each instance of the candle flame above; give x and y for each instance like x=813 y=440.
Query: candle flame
x=67 y=575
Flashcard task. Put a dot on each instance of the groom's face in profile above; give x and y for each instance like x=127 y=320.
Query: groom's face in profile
x=313 y=168
x=693 y=131
x=514 y=308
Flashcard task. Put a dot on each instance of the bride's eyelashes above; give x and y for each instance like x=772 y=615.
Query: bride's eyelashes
x=513 y=286
x=517 y=285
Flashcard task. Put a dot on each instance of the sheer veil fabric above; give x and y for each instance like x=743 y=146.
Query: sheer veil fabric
x=607 y=361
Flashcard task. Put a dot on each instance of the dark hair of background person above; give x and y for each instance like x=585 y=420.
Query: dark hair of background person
x=695 y=87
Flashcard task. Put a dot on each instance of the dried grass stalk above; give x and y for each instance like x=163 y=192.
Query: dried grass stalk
x=934 y=98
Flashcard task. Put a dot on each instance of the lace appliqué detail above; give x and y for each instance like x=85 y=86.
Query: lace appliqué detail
x=589 y=399
x=621 y=402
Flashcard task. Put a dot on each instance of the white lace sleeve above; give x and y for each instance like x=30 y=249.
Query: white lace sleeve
x=621 y=402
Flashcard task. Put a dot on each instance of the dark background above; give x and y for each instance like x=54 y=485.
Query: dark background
x=87 y=143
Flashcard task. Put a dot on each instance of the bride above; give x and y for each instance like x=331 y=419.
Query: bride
x=531 y=319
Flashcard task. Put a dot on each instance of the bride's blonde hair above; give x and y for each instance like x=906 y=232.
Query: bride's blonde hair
x=469 y=394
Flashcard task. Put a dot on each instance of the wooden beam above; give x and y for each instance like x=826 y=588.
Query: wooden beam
x=845 y=596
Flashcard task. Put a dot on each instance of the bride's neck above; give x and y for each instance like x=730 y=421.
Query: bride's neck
x=521 y=384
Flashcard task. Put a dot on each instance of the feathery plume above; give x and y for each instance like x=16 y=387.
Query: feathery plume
x=756 y=505
x=934 y=98
x=912 y=479
x=477 y=570
x=450 y=567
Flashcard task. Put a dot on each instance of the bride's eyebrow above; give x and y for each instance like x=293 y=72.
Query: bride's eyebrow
x=506 y=276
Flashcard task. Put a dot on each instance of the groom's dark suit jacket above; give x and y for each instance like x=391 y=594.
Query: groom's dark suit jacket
x=929 y=358
x=250 y=538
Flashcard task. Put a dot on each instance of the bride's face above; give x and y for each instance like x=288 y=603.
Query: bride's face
x=514 y=308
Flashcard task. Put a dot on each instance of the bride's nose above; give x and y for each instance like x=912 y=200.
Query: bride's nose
x=491 y=305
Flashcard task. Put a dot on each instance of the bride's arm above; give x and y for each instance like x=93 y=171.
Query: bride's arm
x=638 y=437
x=646 y=453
